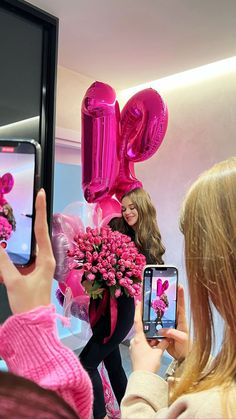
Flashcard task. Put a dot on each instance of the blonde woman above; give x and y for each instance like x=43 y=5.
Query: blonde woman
x=206 y=388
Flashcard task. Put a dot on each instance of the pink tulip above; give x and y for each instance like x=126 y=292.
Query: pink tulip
x=90 y=277
x=117 y=293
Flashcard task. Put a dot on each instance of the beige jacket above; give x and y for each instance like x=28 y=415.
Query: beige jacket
x=147 y=397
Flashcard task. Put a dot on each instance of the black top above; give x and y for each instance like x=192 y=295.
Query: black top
x=118 y=224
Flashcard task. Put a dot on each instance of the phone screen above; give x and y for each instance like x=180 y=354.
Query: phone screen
x=19 y=178
x=159 y=299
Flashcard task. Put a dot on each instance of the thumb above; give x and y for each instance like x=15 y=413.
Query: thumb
x=138 y=324
x=174 y=334
x=163 y=345
x=181 y=304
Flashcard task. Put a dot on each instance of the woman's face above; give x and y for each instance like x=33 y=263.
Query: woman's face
x=129 y=211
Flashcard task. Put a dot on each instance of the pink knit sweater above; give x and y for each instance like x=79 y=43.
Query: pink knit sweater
x=30 y=346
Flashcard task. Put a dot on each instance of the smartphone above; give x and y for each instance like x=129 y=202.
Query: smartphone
x=20 y=174
x=160 y=283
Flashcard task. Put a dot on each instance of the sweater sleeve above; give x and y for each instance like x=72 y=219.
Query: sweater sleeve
x=141 y=399
x=146 y=397
x=30 y=346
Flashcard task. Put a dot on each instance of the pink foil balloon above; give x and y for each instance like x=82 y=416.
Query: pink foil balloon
x=60 y=246
x=64 y=229
x=143 y=126
x=106 y=208
x=111 y=144
x=6 y=185
x=70 y=225
x=126 y=180
x=100 y=132
x=161 y=287
x=73 y=281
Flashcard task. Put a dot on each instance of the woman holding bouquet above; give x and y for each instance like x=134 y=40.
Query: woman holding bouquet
x=138 y=221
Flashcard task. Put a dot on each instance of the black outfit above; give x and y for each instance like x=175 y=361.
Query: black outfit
x=96 y=351
x=118 y=223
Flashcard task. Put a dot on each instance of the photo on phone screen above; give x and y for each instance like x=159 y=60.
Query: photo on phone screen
x=19 y=182
x=159 y=299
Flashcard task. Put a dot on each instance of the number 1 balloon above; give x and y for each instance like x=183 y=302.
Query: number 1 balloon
x=100 y=131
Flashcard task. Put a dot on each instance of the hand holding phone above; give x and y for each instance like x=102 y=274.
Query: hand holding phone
x=179 y=344
x=143 y=356
x=27 y=292
x=20 y=162
x=160 y=284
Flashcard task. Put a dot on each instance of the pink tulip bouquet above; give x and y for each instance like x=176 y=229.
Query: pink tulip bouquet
x=5 y=229
x=159 y=306
x=110 y=261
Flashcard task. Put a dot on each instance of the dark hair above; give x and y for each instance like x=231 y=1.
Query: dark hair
x=21 y=398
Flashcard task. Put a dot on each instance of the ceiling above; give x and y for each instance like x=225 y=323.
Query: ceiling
x=128 y=42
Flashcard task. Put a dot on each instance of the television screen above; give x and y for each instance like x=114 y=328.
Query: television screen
x=20 y=76
x=28 y=62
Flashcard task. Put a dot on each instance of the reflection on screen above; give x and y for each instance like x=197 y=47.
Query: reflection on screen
x=16 y=219
x=159 y=300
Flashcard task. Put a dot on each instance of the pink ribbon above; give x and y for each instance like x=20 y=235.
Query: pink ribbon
x=95 y=313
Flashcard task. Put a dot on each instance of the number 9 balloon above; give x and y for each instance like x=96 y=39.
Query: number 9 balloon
x=112 y=143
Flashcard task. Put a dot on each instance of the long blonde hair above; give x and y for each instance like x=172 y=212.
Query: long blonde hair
x=208 y=223
x=147 y=233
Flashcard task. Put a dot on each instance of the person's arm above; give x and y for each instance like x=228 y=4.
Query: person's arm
x=146 y=393
x=28 y=340
x=144 y=399
x=31 y=348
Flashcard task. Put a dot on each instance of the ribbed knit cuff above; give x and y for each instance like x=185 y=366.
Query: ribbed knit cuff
x=28 y=340
x=30 y=346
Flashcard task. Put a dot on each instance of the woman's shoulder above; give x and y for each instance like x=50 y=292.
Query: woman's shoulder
x=206 y=404
x=146 y=397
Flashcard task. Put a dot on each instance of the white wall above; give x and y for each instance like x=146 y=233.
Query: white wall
x=201 y=132
x=71 y=88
